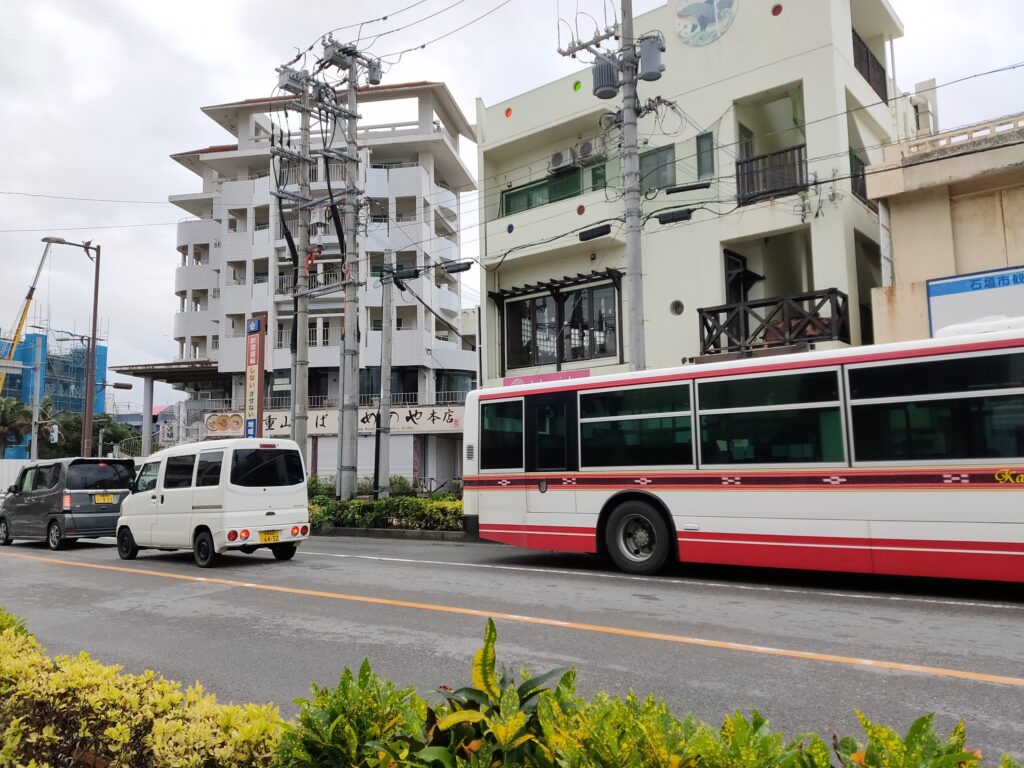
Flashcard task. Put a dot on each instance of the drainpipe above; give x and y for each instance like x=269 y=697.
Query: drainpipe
x=885 y=238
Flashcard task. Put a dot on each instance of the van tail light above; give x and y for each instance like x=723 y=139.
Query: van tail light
x=66 y=504
x=232 y=535
x=305 y=530
x=295 y=530
x=244 y=534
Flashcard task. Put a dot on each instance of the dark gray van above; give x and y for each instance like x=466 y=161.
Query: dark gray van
x=62 y=500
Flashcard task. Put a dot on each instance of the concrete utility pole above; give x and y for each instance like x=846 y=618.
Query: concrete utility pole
x=37 y=375
x=611 y=74
x=349 y=453
x=382 y=481
x=631 y=181
x=300 y=358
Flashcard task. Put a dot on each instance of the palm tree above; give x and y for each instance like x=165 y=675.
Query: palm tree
x=15 y=420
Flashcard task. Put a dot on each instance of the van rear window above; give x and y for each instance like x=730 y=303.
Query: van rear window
x=95 y=475
x=265 y=467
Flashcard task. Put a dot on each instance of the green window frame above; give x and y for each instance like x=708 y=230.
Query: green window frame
x=560 y=186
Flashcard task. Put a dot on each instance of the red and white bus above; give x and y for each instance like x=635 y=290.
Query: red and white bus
x=892 y=459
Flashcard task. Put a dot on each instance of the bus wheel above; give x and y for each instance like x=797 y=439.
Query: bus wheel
x=637 y=538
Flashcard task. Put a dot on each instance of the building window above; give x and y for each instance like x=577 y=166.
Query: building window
x=589 y=323
x=581 y=325
x=532 y=332
x=561 y=186
x=658 y=168
x=705 y=156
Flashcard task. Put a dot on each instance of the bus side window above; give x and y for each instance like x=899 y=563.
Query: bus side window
x=501 y=435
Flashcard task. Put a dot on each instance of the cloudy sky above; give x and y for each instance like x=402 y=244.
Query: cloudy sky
x=99 y=93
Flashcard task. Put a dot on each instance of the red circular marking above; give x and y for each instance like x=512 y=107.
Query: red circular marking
x=777 y=9
x=508 y=112
x=581 y=209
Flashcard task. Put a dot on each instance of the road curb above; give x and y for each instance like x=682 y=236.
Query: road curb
x=398 y=533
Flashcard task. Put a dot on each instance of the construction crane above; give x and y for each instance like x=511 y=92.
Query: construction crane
x=16 y=339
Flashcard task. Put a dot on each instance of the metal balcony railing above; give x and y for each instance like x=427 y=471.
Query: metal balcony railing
x=775 y=322
x=859 y=182
x=865 y=62
x=771 y=175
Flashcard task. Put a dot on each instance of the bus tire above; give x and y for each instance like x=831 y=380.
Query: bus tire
x=637 y=537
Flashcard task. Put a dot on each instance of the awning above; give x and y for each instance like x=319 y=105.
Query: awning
x=554 y=286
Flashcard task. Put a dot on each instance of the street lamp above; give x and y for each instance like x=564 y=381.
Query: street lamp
x=90 y=369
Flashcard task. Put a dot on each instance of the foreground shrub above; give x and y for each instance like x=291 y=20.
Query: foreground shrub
x=539 y=722
x=71 y=709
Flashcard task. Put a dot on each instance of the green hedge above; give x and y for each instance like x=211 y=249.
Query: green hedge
x=394 y=512
x=75 y=711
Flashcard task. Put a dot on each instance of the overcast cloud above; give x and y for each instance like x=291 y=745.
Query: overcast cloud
x=98 y=94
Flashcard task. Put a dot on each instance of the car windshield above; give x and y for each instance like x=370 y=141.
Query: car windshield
x=95 y=475
x=263 y=467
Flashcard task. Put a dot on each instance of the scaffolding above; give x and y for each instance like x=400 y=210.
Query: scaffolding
x=65 y=356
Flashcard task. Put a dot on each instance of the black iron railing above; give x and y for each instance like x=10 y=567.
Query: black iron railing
x=859 y=182
x=775 y=322
x=771 y=175
x=870 y=67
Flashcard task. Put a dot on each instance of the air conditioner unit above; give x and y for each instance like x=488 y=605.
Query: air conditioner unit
x=562 y=160
x=590 y=151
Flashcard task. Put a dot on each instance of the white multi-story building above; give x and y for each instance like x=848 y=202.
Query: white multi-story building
x=235 y=264
x=778 y=107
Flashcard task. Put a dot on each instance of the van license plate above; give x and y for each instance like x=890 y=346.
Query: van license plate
x=103 y=498
x=270 y=537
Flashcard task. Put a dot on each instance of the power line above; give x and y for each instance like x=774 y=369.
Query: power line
x=447 y=34
x=102 y=226
x=86 y=199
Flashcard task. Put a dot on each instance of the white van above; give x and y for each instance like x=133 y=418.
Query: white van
x=211 y=497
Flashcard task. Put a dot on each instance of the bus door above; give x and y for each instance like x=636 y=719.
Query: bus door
x=552 y=457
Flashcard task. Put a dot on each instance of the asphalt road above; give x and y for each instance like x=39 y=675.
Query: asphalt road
x=804 y=649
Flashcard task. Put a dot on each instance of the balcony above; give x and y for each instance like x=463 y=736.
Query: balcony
x=772 y=175
x=865 y=62
x=780 y=321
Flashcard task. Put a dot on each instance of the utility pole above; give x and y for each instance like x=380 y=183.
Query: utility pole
x=611 y=73
x=298 y=83
x=300 y=382
x=631 y=181
x=349 y=453
x=36 y=376
x=90 y=369
x=382 y=479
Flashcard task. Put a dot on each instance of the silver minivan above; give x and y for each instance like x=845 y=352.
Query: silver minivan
x=60 y=500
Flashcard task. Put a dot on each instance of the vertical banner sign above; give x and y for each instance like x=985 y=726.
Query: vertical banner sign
x=254 y=351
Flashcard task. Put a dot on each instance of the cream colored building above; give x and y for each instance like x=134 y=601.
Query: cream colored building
x=956 y=207
x=780 y=107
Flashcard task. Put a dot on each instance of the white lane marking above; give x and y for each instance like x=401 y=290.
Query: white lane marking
x=690 y=582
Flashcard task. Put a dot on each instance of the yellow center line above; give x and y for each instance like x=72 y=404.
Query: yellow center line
x=725 y=645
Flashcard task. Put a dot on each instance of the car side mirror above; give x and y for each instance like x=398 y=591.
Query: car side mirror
x=13 y=489
x=132 y=487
